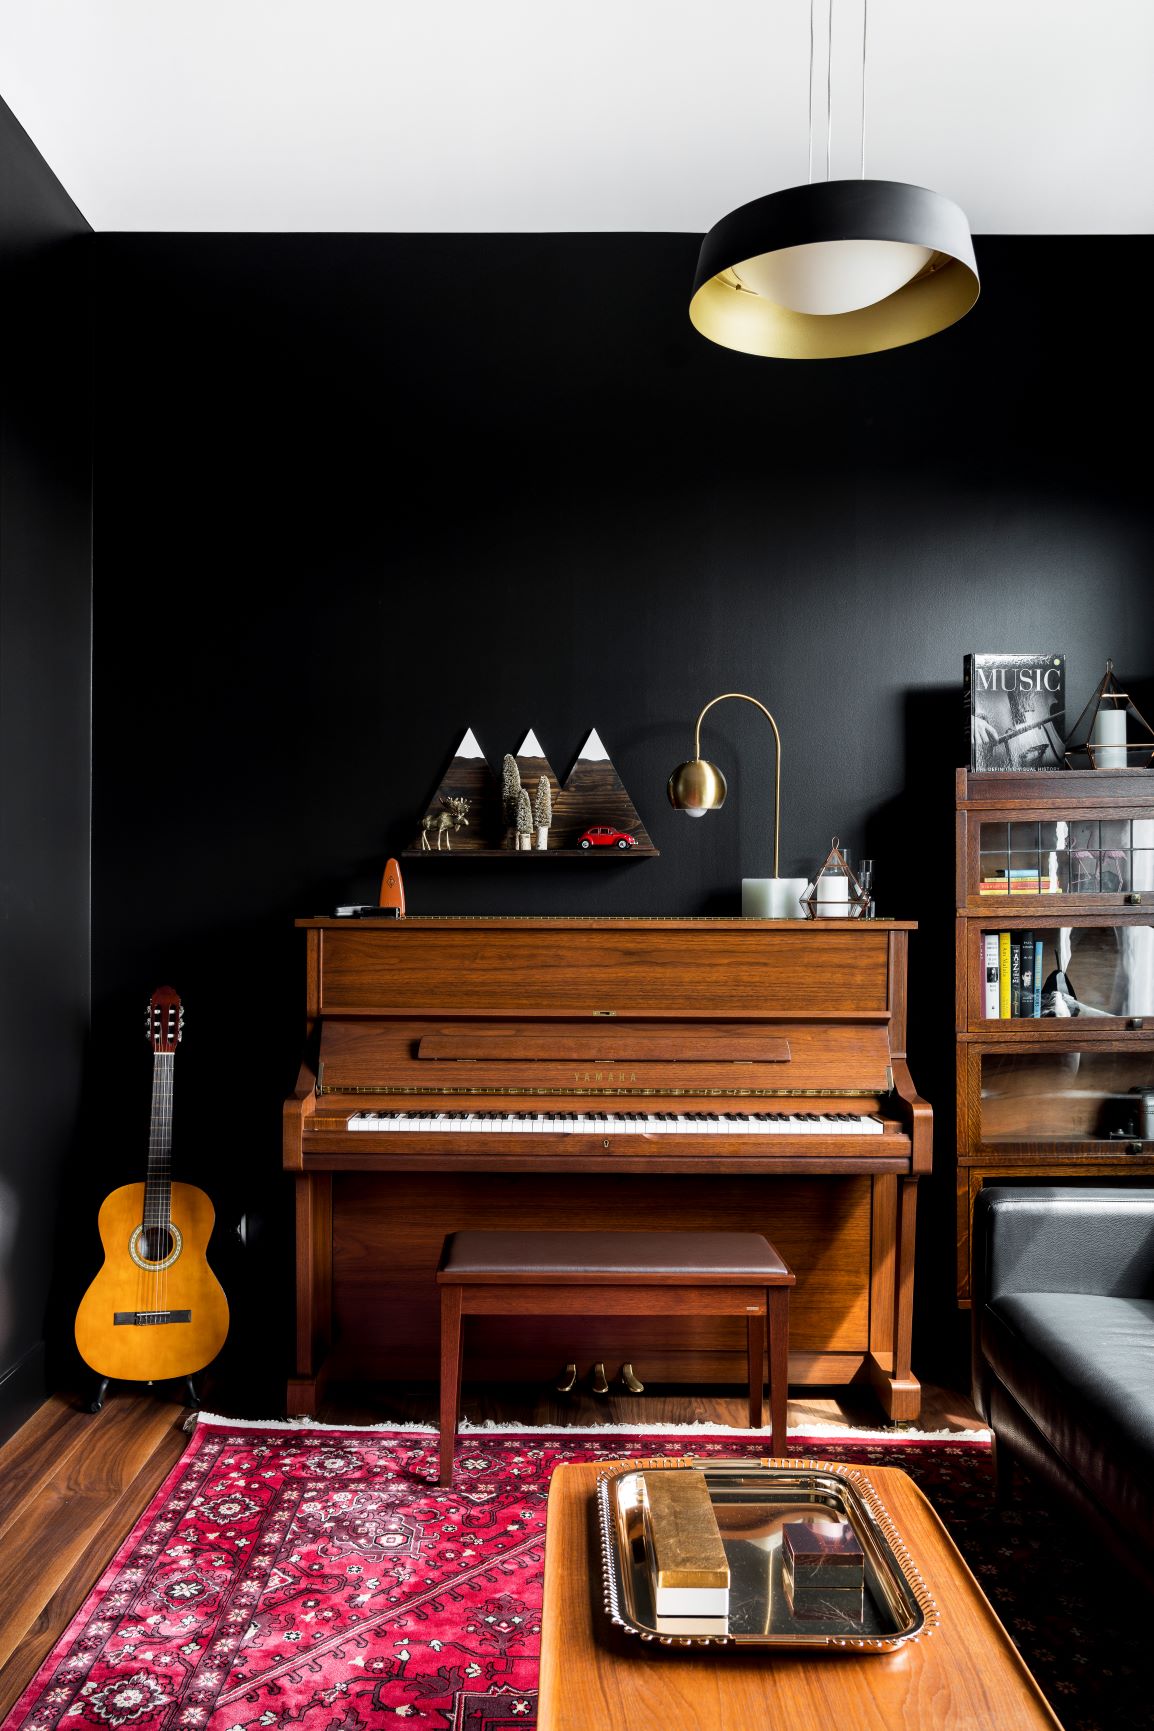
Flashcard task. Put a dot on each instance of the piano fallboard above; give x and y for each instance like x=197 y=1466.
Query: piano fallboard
x=627 y=1058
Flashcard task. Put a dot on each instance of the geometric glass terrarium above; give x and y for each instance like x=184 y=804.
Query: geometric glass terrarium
x=1100 y=738
x=835 y=892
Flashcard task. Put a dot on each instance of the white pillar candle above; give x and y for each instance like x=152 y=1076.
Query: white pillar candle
x=833 y=896
x=1109 y=738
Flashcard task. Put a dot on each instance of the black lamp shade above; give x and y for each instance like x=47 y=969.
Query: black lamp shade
x=725 y=310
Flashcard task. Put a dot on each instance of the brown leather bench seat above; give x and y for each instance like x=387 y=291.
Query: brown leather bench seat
x=617 y=1273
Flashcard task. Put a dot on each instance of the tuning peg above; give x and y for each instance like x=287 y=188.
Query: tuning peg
x=632 y=1382
x=567 y=1381
x=598 y=1381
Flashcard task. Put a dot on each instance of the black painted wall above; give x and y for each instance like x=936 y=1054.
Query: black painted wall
x=357 y=493
x=45 y=609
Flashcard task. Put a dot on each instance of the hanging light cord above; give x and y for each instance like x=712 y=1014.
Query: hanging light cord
x=829 y=92
x=811 y=6
x=865 y=19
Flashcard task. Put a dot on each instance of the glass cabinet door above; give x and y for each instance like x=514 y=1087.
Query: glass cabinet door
x=1085 y=1096
x=1083 y=856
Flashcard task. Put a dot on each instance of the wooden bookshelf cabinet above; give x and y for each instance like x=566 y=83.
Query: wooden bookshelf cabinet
x=1056 y=1097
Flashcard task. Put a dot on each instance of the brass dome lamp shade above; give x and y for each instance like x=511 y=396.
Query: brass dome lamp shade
x=840 y=267
x=698 y=786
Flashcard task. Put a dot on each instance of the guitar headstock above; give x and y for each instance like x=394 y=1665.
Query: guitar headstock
x=165 y=1020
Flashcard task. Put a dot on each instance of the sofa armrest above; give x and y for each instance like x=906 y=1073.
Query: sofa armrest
x=1034 y=1239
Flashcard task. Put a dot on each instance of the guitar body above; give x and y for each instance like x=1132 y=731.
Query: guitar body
x=156 y=1310
x=152 y=1351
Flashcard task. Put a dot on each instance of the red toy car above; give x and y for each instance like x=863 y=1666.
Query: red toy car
x=603 y=836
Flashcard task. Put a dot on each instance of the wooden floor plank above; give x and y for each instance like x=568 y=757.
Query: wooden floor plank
x=37 y=1450
x=942 y=1409
x=29 y=1653
x=56 y=1527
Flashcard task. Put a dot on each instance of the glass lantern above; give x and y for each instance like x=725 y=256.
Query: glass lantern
x=1111 y=732
x=835 y=893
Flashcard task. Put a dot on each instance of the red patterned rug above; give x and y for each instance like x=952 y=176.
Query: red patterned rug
x=320 y=1580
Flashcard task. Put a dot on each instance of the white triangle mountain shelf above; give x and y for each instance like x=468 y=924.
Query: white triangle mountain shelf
x=592 y=817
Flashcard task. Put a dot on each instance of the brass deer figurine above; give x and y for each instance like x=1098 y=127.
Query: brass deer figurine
x=445 y=822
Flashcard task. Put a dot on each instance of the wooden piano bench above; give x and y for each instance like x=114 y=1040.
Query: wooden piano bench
x=617 y=1274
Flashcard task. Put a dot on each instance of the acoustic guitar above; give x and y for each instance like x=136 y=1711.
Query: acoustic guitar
x=156 y=1309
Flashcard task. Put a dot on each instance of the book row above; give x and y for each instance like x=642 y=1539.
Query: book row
x=1019 y=882
x=1013 y=981
x=1035 y=887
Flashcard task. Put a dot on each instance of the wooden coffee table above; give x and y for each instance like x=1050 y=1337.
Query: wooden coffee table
x=966 y=1675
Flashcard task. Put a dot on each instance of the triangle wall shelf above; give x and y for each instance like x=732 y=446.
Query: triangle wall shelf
x=478 y=813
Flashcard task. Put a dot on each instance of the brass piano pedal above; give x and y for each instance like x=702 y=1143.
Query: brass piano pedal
x=632 y=1382
x=598 y=1381
x=567 y=1381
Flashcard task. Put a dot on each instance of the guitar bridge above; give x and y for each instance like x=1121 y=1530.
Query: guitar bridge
x=149 y=1318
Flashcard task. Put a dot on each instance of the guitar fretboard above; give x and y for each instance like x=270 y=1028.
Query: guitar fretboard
x=158 y=1183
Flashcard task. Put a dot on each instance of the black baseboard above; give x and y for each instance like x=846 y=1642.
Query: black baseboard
x=22 y=1389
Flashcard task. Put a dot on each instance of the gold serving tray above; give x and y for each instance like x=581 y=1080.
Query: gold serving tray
x=751 y=1500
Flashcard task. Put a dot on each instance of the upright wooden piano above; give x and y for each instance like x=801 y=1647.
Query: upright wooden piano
x=606 y=1073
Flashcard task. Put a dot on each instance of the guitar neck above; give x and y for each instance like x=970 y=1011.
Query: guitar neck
x=158 y=1183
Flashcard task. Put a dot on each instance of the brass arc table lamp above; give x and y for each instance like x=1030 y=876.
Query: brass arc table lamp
x=699 y=786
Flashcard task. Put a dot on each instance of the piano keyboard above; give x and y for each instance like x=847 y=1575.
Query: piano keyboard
x=623 y=1123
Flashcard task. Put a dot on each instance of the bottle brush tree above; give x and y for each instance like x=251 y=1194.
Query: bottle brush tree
x=524 y=820
x=510 y=789
x=543 y=811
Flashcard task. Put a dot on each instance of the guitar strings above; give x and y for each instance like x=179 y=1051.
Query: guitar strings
x=164 y=1195
x=156 y=1228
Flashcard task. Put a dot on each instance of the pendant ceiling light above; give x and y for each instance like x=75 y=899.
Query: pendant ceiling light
x=837 y=267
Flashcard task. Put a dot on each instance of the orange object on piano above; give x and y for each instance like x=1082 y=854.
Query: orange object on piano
x=393 y=890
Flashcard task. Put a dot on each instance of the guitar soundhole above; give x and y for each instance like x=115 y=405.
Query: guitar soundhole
x=155 y=1243
x=156 y=1247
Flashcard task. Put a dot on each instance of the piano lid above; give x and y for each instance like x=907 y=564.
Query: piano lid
x=624 y=969
x=621 y=1057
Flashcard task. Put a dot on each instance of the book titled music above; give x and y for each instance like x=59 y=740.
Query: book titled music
x=1015 y=710
x=993 y=982
x=1004 y=976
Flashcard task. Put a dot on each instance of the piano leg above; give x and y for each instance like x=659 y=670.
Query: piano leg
x=314 y=1291
x=450 y=1376
x=755 y=1331
x=777 y=1301
x=892 y=1299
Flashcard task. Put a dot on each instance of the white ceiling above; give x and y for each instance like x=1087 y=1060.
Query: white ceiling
x=505 y=115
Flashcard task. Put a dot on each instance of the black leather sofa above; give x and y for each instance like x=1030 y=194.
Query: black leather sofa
x=1063 y=1333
